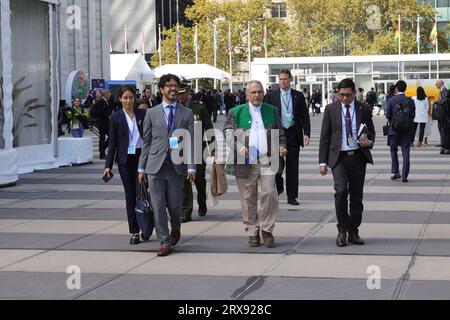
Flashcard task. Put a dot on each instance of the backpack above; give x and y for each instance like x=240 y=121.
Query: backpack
x=402 y=121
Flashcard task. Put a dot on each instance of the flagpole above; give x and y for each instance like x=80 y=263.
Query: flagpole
x=126 y=42
x=418 y=34
x=399 y=35
x=437 y=45
x=196 y=53
x=266 y=40
x=178 y=46
x=215 y=53
x=143 y=40
x=249 y=54
x=231 y=58
x=160 y=45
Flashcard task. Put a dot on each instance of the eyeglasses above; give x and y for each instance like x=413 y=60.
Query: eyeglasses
x=171 y=86
x=345 y=95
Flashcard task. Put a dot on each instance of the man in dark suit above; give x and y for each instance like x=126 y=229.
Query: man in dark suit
x=166 y=159
x=297 y=127
x=440 y=85
x=402 y=139
x=347 y=156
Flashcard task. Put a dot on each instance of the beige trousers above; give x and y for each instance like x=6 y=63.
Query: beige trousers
x=248 y=189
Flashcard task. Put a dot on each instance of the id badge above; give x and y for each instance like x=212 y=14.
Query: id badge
x=132 y=149
x=352 y=143
x=76 y=126
x=173 y=143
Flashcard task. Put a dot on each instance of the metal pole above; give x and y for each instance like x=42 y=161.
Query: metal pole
x=399 y=35
x=249 y=53
x=231 y=58
x=343 y=39
x=160 y=46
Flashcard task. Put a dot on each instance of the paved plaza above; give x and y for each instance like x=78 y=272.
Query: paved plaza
x=69 y=217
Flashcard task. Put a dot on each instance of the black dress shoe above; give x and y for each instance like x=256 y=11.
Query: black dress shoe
x=144 y=237
x=355 y=239
x=186 y=219
x=134 y=239
x=202 y=212
x=293 y=202
x=341 y=239
x=396 y=176
x=405 y=180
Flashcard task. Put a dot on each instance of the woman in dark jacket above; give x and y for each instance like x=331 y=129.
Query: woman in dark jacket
x=125 y=144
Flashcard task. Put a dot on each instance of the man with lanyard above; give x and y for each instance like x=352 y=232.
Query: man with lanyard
x=297 y=127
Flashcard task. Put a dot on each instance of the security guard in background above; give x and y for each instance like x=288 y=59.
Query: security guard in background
x=200 y=115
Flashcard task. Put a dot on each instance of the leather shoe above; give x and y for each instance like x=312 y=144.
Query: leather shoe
x=405 y=180
x=134 y=239
x=202 y=212
x=396 y=176
x=293 y=202
x=254 y=241
x=442 y=151
x=185 y=219
x=268 y=239
x=175 y=236
x=341 y=239
x=144 y=238
x=355 y=239
x=164 y=251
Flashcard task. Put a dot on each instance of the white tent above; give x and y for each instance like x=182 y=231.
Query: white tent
x=192 y=71
x=130 y=67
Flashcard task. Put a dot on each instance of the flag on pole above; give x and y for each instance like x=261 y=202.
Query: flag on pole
x=397 y=34
x=266 y=40
x=230 y=45
x=434 y=34
x=215 y=38
x=178 y=42
x=418 y=30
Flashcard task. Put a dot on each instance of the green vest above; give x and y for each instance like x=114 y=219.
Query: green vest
x=243 y=118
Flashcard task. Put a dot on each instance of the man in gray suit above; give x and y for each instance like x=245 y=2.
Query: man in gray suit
x=167 y=154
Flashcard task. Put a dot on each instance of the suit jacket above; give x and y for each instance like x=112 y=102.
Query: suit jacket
x=331 y=135
x=156 y=139
x=401 y=98
x=302 y=122
x=119 y=137
x=240 y=118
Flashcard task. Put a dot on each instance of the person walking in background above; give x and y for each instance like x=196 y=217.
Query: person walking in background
x=420 y=121
x=164 y=174
x=382 y=101
x=297 y=128
x=125 y=145
x=347 y=154
x=229 y=101
x=400 y=114
x=78 y=118
x=101 y=111
x=360 y=95
x=442 y=96
x=445 y=120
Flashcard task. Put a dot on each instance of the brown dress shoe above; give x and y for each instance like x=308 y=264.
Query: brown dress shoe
x=341 y=240
x=175 y=236
x=164 y=251
x=254 y=241
x=355 y=239
x=268 y=238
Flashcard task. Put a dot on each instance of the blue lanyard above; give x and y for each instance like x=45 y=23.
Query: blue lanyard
x=131 y=132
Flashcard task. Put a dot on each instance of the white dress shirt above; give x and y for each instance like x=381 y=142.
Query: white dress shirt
x=344 y=146
x=134 y=137
x=258 y=135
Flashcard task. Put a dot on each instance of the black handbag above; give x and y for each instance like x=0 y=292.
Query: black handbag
x=144 y=211
x=386 y=129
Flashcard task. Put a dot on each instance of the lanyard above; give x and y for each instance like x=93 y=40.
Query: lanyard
x=349 y=134
x=131 y=132
x=287 y=102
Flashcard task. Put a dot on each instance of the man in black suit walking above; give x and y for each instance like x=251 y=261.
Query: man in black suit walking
x=297 y=126
x=347 y=154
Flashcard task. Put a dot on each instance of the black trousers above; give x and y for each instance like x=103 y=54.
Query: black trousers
x=291 y=165
x=129 y=176
x=421 y=132
x=349 y=175
x=446 y=138
x=102 y=142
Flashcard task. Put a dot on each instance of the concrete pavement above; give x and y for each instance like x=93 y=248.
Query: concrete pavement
x=68 y=217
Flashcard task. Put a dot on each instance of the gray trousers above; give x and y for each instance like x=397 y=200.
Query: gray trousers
x=165 y=190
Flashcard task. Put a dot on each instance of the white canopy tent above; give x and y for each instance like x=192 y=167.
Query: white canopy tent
x=192 y=71
x=130 y=67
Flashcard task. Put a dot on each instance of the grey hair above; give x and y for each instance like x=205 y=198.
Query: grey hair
x=255 y=82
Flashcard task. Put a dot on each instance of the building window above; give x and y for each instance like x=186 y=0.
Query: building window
x=279 y=10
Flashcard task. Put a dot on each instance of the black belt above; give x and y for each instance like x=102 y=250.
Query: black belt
x=350 y=153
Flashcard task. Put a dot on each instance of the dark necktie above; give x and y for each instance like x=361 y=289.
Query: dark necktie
x=170 y=120
x=348 y=124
